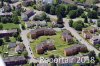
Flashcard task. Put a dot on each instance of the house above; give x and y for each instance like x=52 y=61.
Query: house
x=6 y=14
x=27 y=2
x=19 y=48
x=93 y=30
x=12 y=45
x=66 y=36
x=86 y=34
x=15 y=60
x=4 y=33
x=47 y=1
x=44 y=46
x=41 y=31
x=35 y=23
x=95 y=40
x=75 y=50
x=26 y=15
x=67 y=1
x=13 y=1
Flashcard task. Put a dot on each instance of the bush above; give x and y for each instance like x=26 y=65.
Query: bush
x=78 y=25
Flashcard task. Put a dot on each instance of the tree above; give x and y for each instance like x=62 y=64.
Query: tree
x=86 y=20
x=23 y=26
x=31 y=64
x=15 y=18
x=92 y=14
x=52 y=10
x=1 y=26
x=59 y=20
x=25 y=54
x=60 y=10
x=78 y=25
x=99 y=55
x=70 y=23
x=79 y=11
x=1 y=42
x=43 y=16
x=19 y=39
x=2 y=3
x=46 y=8
x=73 y=14
x=95 y=8
x=83 y=15
x=7 y=39
x=98 y=23
x=71 y=7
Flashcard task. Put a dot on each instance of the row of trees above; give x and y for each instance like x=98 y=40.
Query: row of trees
x=71 y=10
x=59 y=10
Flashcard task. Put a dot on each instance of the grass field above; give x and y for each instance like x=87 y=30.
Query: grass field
x=59 y=44
x=10 y=26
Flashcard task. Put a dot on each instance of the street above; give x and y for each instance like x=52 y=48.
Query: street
x=26 y=42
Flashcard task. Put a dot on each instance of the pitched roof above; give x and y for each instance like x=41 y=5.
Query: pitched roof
x=12 y=45
x=68 y=1
x=14 y=58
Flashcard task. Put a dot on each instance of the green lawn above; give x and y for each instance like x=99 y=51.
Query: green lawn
x=3 y=49
x=59 y=44
x=10 y=26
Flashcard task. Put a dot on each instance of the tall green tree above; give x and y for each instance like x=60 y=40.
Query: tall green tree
x=70 y=23
x=92 y=14
x=15 y=18
x=1 y=42
x=1 y=26
x=72 y=14
x=52 y=10
x=86 y=20
x=60 y=10
x=78 y=25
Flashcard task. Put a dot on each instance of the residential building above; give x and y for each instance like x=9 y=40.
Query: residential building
x=35 y=23
x=75 y=50
x=47 y=1
x=15 y=60
x=44 y=46
x=66 y=36
x=27 y=2
x=86 y=34
x=67 y=1
x=4 y=33
x=13 y=1
x=95 y=40
x=19 y=48
x=41 y=31
x=26 y=15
